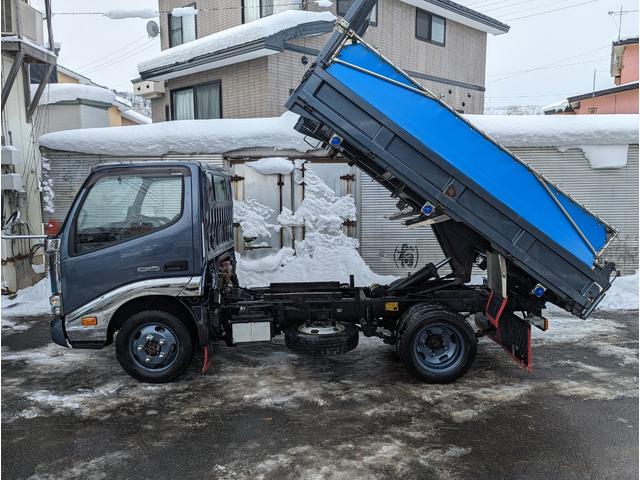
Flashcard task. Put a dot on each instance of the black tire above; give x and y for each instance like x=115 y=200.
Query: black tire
x=342 y=339
x=436 y=345
x=162 y=326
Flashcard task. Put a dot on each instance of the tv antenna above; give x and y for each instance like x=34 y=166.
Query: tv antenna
x=153 y=29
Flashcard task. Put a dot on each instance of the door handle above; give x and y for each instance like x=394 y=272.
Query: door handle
x=177 y=266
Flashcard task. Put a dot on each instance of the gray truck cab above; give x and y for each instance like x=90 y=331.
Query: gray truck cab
x=141 y=239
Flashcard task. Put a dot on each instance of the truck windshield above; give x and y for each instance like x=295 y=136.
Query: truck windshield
x=122 y=207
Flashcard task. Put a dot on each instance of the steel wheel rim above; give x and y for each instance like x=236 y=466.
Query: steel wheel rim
x=154 y=347
x=439 y=348
x=321 y=329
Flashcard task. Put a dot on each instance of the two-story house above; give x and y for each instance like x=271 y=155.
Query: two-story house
x=620 y=99
x=242 y=58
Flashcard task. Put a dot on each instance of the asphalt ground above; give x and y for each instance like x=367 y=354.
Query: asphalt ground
x=262 y=412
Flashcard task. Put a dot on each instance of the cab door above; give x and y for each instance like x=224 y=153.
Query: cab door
x=127 y=225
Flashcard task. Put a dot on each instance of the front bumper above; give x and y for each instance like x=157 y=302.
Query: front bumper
x=58 y=334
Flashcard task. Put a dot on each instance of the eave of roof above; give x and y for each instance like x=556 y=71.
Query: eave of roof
x=265 y=45
x=606 y=91
x=626 y=41
x=461 y=14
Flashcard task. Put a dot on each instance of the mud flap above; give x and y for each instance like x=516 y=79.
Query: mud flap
x=513 y=334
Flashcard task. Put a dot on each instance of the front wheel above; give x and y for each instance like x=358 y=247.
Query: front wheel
x=154 y=346
x=435 y=344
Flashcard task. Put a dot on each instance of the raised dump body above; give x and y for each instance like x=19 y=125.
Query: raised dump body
x=445 y=172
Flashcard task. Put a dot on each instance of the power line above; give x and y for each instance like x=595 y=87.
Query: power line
x=552 y=67
x=538 y=7
x=551 y=11
x=105 y=57
x=516 y=73
x=142 y=48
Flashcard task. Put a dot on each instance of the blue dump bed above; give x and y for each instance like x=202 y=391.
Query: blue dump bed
x=431 y=158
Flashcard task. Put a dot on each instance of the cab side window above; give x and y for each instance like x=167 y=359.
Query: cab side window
x=118 y=208
x=220 y=187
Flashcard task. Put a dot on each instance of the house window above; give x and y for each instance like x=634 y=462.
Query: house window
x=345 y=5
x=255 y=9
x=197 y=102
x=430 y=27
x=182 y=29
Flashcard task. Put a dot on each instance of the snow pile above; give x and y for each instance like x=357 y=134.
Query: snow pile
x=623 y=294
x=135 y=117
x=32 y=300
x=238 y=35
x=252 y=217
x=558 y=130
x=326 y=253
x=272 y=166
x=604 y=139
x=184 y=12
x=69 y=92
x=182 y=136
x=145 y=13
x=606 y=156
x=323 y=3
x=321 y=211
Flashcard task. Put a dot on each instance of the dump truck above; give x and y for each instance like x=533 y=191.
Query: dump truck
x=145 y=255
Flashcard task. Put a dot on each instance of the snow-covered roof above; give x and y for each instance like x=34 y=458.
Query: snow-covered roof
x=135 y=116
x=558 y=130
x=190 y=55
x=182 y=137
x=560 y=106
x=277 y=133
x=69 y=92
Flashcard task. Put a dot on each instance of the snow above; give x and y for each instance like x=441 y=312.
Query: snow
x=323 y=3
x=623 y=294
x=224 y=135
x=44 y=49
x=325 y=254
x=182 y=136
x=558 y=130
x=606 y=156
x=237 y=35
x=135 y=117
x=252 y=217
x=145 y=13
x=8 y=148
x=560 y=106
x=272 y=166
x=32 y=300
x=184 y=12
x=65 y=92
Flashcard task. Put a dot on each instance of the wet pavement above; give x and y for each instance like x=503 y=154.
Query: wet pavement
x=262 y=412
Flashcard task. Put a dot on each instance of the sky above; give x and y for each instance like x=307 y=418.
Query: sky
x=544 y=58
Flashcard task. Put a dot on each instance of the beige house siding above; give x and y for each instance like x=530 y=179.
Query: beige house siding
x=242 y=85
x=212 y=17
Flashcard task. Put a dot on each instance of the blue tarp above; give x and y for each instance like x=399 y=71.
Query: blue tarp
x=499 y=173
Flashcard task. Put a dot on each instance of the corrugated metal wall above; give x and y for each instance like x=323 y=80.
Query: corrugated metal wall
x=391 y=248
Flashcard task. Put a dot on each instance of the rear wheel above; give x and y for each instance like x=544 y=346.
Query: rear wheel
x=435 y=344
x=154 y=346
x=322 y=339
